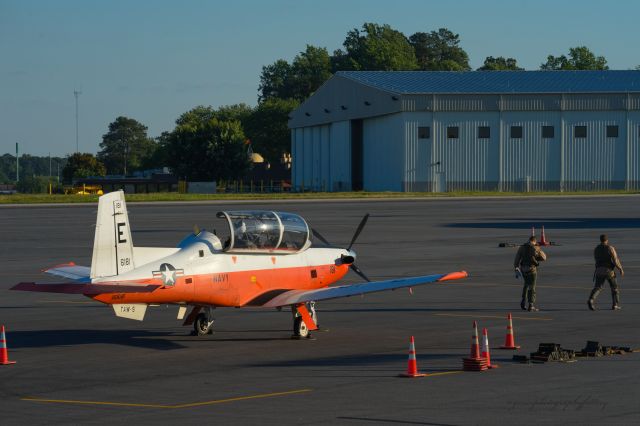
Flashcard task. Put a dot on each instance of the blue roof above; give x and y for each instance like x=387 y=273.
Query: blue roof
x=413 y=82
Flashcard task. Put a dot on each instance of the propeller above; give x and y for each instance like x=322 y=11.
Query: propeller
x=358 y=230
x=348 y=259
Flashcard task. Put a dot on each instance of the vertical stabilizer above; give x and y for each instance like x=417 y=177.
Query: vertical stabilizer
x=112 y=245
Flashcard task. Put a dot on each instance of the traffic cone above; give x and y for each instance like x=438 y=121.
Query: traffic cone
x=543 y=241
x=509 y=340
x=485 y=349
x=4 y=354
x=533 y=231
x=412 y=365
x=475 y=362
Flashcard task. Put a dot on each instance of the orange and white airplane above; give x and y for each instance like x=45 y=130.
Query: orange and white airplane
x=266 y=259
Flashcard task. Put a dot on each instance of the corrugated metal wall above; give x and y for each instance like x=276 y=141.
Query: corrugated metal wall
x=468 y=163
x=530 y=163
x=340 y=156
x=383 y=160
x=633 y=150
x=418 y=167
x=595 y=162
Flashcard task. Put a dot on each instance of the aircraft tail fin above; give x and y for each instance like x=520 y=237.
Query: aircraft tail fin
x=112 y=245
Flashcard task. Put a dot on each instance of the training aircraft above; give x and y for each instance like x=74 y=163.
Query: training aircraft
x=266 y=259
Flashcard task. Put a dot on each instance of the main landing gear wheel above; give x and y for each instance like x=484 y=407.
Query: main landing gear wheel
x=300 y=329
x=202 y=325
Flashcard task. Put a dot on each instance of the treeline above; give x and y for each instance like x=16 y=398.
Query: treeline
x=212 y=144
x=29 y=166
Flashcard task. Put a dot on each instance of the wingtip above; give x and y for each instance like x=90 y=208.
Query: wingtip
x=454 y=276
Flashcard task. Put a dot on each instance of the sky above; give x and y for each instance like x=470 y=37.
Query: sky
x=154 y=60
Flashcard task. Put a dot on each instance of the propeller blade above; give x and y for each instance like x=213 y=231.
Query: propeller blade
x=359 y=230
x=320 y=237
x=357 y=270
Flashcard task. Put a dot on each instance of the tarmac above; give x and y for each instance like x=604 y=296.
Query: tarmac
x=79 y=364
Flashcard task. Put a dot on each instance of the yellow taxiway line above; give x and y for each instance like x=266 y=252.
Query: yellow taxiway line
x=444 y=373
x=495 y=316
x=169 y=406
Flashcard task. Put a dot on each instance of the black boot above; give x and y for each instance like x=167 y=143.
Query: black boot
x=532 y=308
x=523 y=305
x=591 y=304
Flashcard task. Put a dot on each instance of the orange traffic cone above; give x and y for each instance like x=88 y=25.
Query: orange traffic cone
x=543 y=241
x=509 y=340
x=485 y=349
x=475 y=362
x=412 y=365
x=4 y=354
x=533 y=231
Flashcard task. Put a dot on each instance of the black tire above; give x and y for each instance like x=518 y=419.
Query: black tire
x=300 y=328
x=201 y=325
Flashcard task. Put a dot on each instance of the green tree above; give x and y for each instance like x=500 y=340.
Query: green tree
x=267 y=128
x=375 y=48
x=125 y=146
x=580 y=58
x=500 y=64
x=33 y=185
x=297 y=80
x=204 y=148
x=275 y=81
x=82 y=165
x=439 y=51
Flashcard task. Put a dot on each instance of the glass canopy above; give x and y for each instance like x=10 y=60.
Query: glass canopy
x=265 y=231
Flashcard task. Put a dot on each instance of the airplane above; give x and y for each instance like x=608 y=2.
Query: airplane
x=266 y=259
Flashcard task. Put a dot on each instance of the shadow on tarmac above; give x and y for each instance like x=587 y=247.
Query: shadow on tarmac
x=52 y=338
x=553 y=223
x=398 y=421
x=357 y=360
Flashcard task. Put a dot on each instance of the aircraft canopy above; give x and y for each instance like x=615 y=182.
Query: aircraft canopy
x=265 y=231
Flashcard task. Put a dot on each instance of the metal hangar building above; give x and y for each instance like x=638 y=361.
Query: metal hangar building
x=469 y=131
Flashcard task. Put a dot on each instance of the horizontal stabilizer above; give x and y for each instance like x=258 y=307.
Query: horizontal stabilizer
x=86 y=289
x=71 y=271
x=293 y=297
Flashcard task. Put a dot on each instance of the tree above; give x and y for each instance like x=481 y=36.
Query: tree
x=580 y=58
x=267 y=128
x=500 y=64
x=33 y=185
x=125 y=146
x=309 y=70
x=376 y=48
x=297 y=80
x=81 y=166
x=275 y=81
x=204 y=148
x=439 y=51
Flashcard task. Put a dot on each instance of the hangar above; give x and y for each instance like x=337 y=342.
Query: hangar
x=468 y=131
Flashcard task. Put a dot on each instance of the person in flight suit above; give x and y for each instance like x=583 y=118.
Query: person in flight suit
x=526 y=263
x=607 y=262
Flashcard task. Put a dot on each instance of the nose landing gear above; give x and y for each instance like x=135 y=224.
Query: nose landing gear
x=302 y=330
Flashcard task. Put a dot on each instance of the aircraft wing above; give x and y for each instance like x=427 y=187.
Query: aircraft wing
x=293 y=297
x=87 y=289
x=71 y=271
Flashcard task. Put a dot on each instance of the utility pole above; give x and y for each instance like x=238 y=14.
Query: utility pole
x=17 y=164
x=77 y=93
x=49 y=165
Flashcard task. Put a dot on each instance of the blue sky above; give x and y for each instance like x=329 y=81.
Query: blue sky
x=153 y=60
